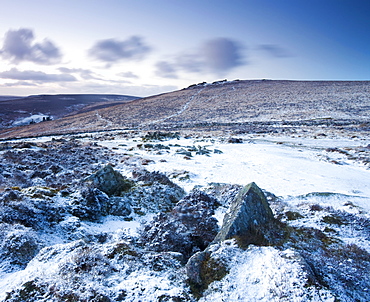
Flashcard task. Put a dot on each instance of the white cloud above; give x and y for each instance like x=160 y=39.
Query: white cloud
x=86 y=74
x=19 y=46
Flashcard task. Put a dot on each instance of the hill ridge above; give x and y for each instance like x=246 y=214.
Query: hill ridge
x=241 y=105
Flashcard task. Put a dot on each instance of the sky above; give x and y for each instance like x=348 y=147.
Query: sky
x=142 y=48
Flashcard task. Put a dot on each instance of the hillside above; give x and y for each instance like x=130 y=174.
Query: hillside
x=18 y=111
x=244 y=106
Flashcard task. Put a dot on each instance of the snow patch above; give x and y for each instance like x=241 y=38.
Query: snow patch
x=265 y=274
x=35 y=118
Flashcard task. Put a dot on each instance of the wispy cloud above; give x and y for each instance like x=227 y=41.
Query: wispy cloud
x=166 y=70
x=19 y=45
x=19 y=84
x=86 y=74
x=112 y=50
x=190 y=62
x=274 y=50
x=128 y=74
x=36 y=76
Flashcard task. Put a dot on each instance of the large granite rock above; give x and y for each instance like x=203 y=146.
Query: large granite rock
x=249 y=218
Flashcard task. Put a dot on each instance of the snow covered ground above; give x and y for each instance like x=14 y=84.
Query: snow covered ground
x=304 y=172
x=285 y=166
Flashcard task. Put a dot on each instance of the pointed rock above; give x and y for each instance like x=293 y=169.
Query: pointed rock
x=249 y=218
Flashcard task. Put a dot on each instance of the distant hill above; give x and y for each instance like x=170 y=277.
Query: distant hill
x=16 y=111
x=241 y=106
x=9 y=97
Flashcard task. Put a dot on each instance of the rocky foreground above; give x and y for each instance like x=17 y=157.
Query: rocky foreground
x=68 y=218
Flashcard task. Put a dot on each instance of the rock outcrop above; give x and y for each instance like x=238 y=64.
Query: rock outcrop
x=110 y=193
x=110 y=181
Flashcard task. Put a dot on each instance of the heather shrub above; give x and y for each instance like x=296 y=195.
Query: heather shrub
x=188 y=228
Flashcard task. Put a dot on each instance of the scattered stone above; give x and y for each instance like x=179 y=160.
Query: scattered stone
x=24 y=145
x=146 y=161
x=40 y=174
x=39 y=192
x=160 y=136
x=235 y=140
x=55 y=169
x=153 y=192
x=10 y=195
x=180 y=175
x=92 y=204
x=292 y=215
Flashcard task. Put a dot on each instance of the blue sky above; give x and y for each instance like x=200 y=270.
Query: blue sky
x=148 y=47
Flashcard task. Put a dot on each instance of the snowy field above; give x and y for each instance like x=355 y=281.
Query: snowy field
x=301 y=172
x=284 y=166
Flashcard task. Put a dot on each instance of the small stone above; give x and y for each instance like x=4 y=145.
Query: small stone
x=235 y=140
